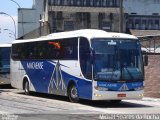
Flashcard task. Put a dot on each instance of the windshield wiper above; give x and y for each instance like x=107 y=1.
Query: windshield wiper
x=113 y=72
x=129 y=73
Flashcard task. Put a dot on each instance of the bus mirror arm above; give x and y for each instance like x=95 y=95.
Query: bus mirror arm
x=145 y=60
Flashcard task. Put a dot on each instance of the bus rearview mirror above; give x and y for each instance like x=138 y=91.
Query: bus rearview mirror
x=145 y=60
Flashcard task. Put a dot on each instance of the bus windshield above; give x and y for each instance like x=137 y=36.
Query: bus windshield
x=117 y=59
x=4 y=59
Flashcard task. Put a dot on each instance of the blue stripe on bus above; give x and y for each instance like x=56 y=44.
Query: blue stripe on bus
x=120 y=86
x=40 y=78
x=60 y=64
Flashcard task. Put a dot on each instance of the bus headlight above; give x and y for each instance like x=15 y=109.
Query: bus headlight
x=101 y=88
x=140 y=95
x=97 y=95
x=139 y=88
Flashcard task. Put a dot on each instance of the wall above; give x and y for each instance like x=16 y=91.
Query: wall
x=84 y=20
x=30 y=16
x=152 y=77
x=142 y=7
x=41 y=31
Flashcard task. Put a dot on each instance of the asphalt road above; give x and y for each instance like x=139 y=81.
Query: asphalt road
x=14 y=105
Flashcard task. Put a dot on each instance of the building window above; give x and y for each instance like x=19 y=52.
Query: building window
x=134 y=13
x=130 y=24
x=115 y=3
x=91 y=3
x=144 y=26
x=62 y=2
x=65 y=2
x=156 y=1
x=85 y=2
x=107 y=26
x=155 y=14
x=137 y=24
x=88 y=3
x=108 y=3
x=156 y=24
x=150 y=24
x=68 y=25
x=72 y=2
x=143 y=23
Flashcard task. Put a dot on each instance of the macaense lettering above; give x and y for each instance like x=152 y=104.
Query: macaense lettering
x=35 y=65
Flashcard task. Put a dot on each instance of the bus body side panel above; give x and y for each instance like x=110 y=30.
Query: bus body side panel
x=39 y=72
x=53 y=77
x=85 y=89
x=5 y=78
x=71 y=72
x=17 y=74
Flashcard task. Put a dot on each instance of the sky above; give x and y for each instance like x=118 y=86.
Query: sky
x=9 y=7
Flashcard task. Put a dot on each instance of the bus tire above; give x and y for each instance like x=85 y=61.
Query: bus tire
x=26 y=87
x=73 y=93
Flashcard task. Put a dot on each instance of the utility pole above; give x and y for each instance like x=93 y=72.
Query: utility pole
x=121 y=17
x=40 y=21
x=3 y=13
x=21 y=15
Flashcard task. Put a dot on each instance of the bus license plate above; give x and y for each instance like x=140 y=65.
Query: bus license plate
x=121 y=95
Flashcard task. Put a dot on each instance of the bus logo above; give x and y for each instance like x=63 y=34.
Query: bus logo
x=56 y=81
x=123 y=87
x=35 y=65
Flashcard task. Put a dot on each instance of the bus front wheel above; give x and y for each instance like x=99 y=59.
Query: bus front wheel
x=26 y=87
x=73 y=93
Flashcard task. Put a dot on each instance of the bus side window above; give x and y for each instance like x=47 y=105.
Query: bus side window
x=69 y=49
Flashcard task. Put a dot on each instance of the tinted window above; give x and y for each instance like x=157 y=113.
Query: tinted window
x=65 y=49
x=5 y=60
x=70 y=49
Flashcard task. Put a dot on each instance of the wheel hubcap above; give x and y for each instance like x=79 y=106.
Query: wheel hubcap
x=74 y=92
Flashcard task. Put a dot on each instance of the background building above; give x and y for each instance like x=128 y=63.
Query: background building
x=65 y=15
x=28 y=18
x=142 y=14
x=143 y=20
x=48 y=16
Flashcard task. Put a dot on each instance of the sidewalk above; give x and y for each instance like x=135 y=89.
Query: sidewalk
x=151 y=99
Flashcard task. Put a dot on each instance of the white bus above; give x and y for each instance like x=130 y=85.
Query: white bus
x=5 y=50
x=82 y=64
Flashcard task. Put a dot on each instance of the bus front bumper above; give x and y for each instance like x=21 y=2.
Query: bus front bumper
x=117 y=95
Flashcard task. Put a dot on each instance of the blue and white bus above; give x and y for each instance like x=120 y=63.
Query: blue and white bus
x=82 y=64
x=5 y=51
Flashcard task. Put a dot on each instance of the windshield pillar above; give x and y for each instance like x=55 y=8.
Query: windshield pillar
x=85 y=58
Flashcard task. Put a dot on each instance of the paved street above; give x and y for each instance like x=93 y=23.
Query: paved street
x=42 y=106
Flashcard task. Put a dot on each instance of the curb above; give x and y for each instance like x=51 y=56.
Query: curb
x=151 y=99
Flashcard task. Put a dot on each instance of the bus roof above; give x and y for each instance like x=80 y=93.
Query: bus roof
x=88 y=33
x=5 y=45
